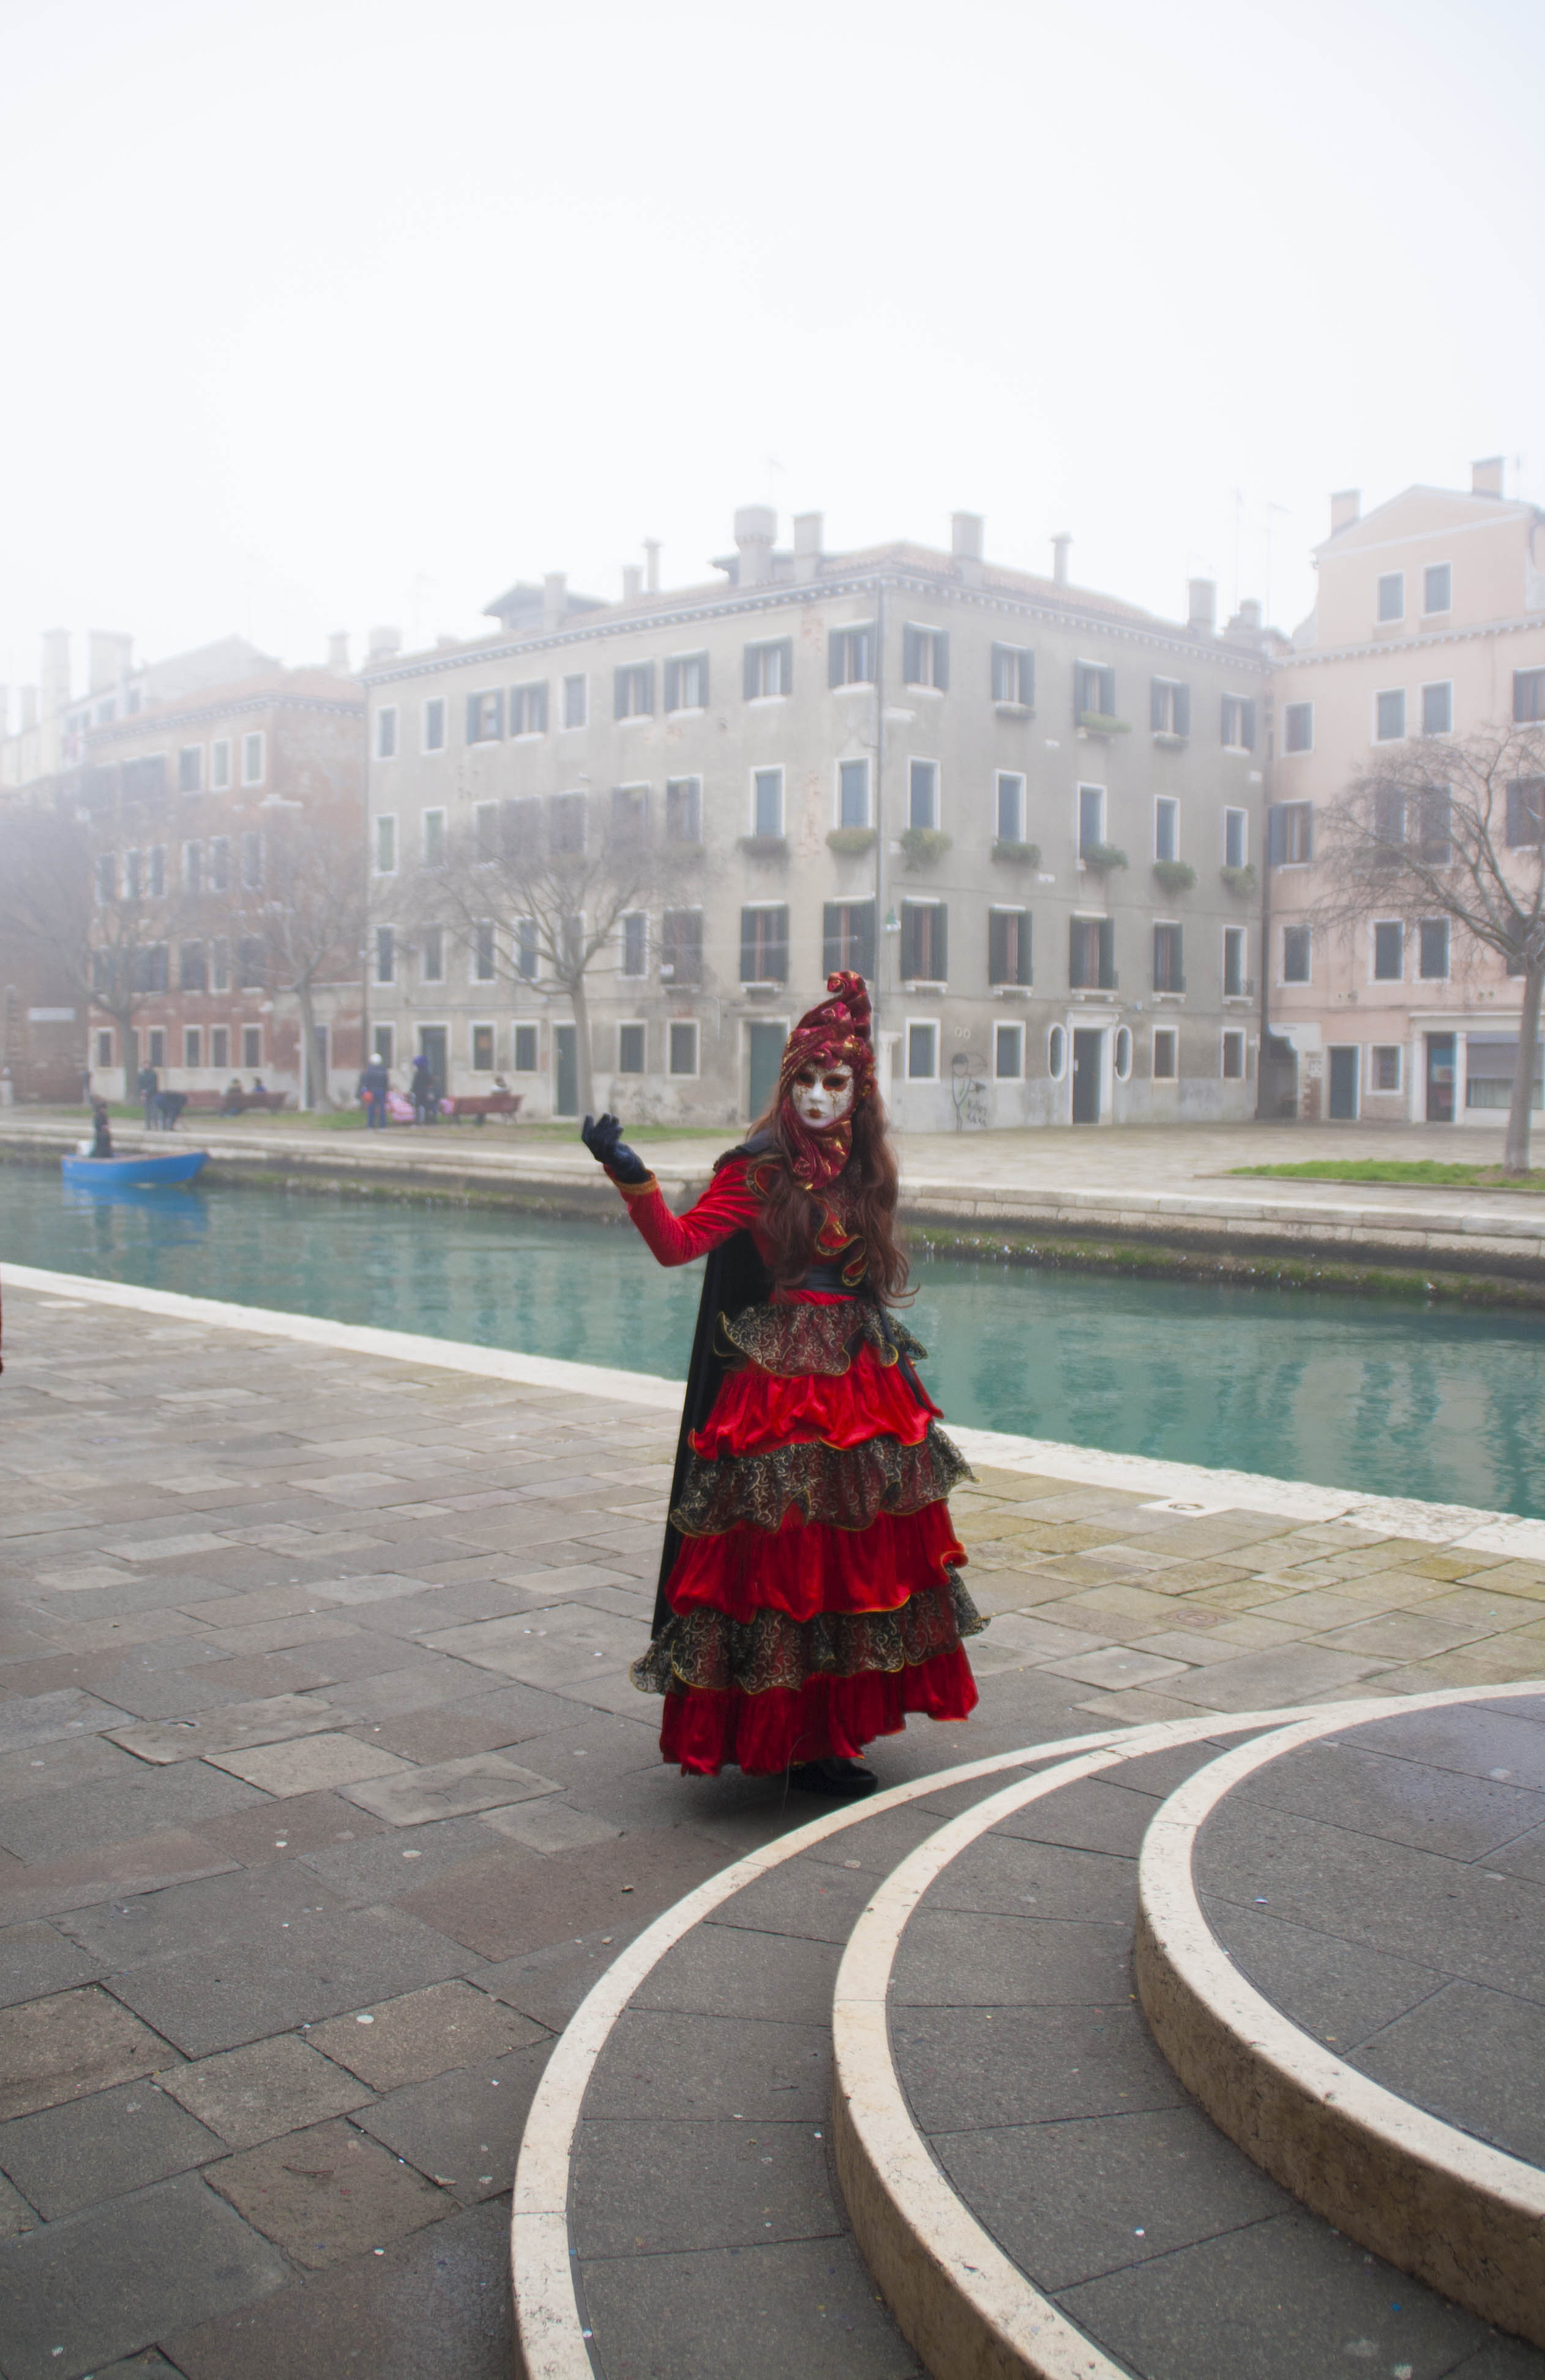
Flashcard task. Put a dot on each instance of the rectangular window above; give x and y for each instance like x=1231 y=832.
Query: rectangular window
x=1169 y=708
x=1437 y=709
x=484 y=953
x=847 y=937
x=1433 y=950
x=683 y=810
x=681 y=946
x=528 y=709
x=1166 y=827
x=158 y=872
x=1296 y=955
x=528 y=958
x=251 y=1048
x=434 y=724
x=104 y=1048
x=485 y=832
x=192 y=1045
x=576 y=700
x=220 y=964
x=1298 y=727
x=520 y=830
x=1010 y=807
x=1165 y=1043
x=853 y=792
x=767 y=670
x=1234 y=962
x=686 y=682
x=219 y=1048
x=633 y=691
x=220 y=863
x=634 y=943
x=1389 y=722
x=1094 y=690
x=250 y=963
x=193 y=868
x=1435 y=826
x=384 y=1043
x=1008 y=1053
x=1013 y=676
x=925 y=654
x=1528 y=696
x=1008 y=947
x=850 y=657
x=107 y=876
x=1239 y=713
x=1091 y=817
x=385 y=954
x=632 y=1040
x=922 y=794
x=220 y=765
x=1290 y=834
x=252 y=860
x=252 y=758
x=431 y=955
x=767 y=802
x=157 y=1051
x=525 y=1040
x=1091 y=945
x=482 y=1049
x=485 y=717
x=1169 y=958
x=191 y=769
x=764 y=945
x=922 y=1053
x=192 y=968
x=924 y=942
x=134 y=875
x=386 y=733
x=1525 y=812
x=1383 y=1064
x=1234 y=1055
x=683 y=1047
x=385 y=847
x=1437 y=587
x=1237 y=845
x=629 y=817
x=1391 y=595
x=145 y=780
x=434 y=838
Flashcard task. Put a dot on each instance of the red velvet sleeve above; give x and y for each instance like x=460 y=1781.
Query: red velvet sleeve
x=727 y=1206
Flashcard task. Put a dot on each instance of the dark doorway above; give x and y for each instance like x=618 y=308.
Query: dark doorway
x=432 y=1045
x=565 y=1068
x=1439 y=1078
x=765 y=1053
x=1279 y=1078
x=1344 y=1086
x=1086 y=1055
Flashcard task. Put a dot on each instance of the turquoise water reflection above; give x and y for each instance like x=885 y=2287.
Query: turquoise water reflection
x=1395 y=1400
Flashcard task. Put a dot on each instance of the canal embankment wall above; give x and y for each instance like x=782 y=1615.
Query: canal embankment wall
x=1471 y=1243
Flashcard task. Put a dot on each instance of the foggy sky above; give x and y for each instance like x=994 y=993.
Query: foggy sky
x=325 y=314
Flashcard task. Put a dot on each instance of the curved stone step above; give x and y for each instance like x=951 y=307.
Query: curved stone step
x=1029 y=2183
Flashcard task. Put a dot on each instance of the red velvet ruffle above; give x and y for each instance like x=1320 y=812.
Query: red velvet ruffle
x=755 y=1409
x=806 y=1569
x=827 y=1719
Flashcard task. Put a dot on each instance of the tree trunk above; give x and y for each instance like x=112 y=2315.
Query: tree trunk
x=309 y=1096
x=1515 y=1157
x=585 y=1082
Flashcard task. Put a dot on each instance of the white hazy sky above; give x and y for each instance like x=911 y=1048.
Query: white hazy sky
x=321 y=313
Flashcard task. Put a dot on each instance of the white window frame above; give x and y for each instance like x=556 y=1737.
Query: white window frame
x=1381 y=694
x=155 y=1048
x=384 y=743
x=921 y=1024
x=582 y=678
x=197 y=750
x=1285 y=981
x=1374 y=925
x=1234 y=1033
x=220 y=765
x=193 y=868
x=924 y=760
x=774 y=769
x=523 y=1025
x=1443 y=610
x=1170 y=1032
x=1239 y=702
x=192 y=1049
x=476 y=1024
x=853 y=628
x=1375 y=1090
x=476 y=972
x=1243 y=934
x=433 y=939
x=926 y=628
x=376 y=975
x=764 y=909
x=1232 y=811
x=838 y=820
x=1080 y=790
x=424 y=817
x=1002 y=1074
x=1433 y=685
x=1382 y=619
x=1297 y=751
x=683 y=841
x=517 y=942
x=674 y=1025
x=1012 y=777
x=250 y=737
x=636 y=1025
x=249 y=1033
x=1447 y=975
x=104 y=1057
x=764 y=644
x=924 y=982
x=685 y=709
x=625 y=973
x=433 y=702
x=527 y=685
x=1012 y=706
x=1160 y=802
x=383 y=819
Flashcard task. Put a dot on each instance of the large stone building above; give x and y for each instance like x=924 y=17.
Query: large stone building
x=1029 y=813
x=1429 y=620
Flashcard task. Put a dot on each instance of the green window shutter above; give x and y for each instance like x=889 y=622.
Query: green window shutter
x=863 y=918
x=673 y=686
x=941 y=659
x=474 y=705
x=776 y=945
x=619 y=694
x=1247 y=711
x=941 y=945
x=835 y=658
x=750 y=968
x=1183 y=711
x=1156 y=703
x=751 y=676
x=1107 y=953
x=786 y=673
x=912 y=655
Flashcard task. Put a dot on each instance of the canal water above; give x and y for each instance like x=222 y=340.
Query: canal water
x=1391 y=1399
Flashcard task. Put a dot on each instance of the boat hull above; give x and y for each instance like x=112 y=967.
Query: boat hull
x=133 y=1173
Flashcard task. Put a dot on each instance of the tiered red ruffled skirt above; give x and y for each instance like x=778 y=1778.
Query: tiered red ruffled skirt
x=817 y=1597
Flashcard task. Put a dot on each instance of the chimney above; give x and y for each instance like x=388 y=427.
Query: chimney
x=1059 y=558
x=108 y=655
x=808 y=528
x=1486 y=478
x=756 y=526
x=1201 y=616
x=555 y=598
x=337 y=653
x=29 y=708
x=1344 y=508
x=1250 y=612
x=55 y=679
x=652 y=564
x=384 y=642
x=966 y=546
x=632 y=582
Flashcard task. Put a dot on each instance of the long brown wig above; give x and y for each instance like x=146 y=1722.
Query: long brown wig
x=861 y=1204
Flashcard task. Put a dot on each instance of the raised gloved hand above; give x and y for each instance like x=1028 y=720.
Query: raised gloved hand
x=603 y=1136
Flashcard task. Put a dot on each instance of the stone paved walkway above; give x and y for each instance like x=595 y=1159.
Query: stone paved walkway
x=324 y=1796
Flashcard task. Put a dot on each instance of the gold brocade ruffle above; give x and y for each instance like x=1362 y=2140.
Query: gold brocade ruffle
x=845 y=1487
x=708 y=1650
x=795 y=1339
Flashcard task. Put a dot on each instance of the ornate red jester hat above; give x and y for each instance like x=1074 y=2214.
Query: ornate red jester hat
x=835 y=1033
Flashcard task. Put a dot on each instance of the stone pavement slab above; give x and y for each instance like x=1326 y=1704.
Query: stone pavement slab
x=326 y=2192
x=422 y=2035
x=114 y=2141
x=68 y=2045
x=247 y=2095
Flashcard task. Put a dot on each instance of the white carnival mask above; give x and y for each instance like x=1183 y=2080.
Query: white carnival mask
x=822 y=1095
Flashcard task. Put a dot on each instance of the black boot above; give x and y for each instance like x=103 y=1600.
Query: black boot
x=845 y=1780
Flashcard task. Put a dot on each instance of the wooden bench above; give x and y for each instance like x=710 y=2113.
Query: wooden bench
x=234 y=1102
x=482 y=1105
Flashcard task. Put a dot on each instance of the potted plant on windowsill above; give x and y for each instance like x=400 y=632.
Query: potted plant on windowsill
x=1100 y=859
x=1174 y=875
x=1099 y=722
x=1016 y=855
x=848 y=842
x=924 y=845
x=1240 y=881
x=764 y=846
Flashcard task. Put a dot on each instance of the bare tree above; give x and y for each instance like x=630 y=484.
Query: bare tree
x=89 y=915
x=309 y=914
x=536 y=891
x=1452 y=829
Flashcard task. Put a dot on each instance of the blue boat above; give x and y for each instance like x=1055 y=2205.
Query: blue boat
x=134 y=1172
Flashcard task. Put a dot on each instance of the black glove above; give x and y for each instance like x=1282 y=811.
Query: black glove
x=603 y=1136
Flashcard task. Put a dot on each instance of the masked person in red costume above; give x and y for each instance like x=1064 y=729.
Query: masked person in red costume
x=809 y=1591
